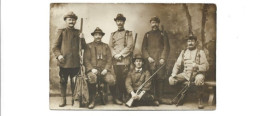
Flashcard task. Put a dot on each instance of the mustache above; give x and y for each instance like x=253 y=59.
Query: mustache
x=154 y=26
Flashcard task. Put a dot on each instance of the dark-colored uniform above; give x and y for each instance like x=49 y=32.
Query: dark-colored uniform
x=97 y=55
x=67 y=45
x=134 y=80
x=156 y=45
x=121 y=42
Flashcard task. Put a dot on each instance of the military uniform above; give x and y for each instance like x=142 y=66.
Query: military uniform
x=67 y=45
x=121 y=42
x=97 y=55
x=185 y=63
x=156 y=45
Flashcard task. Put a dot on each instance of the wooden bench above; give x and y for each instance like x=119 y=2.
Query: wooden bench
x=211 y=85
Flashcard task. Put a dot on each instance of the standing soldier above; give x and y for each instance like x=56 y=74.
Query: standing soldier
x=154 y=48
x=194 y=63
x=121 y=44
x=98 y=63
x=66 y=49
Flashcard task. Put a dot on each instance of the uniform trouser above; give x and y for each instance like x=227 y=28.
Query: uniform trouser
x=93 y=86
x=64 y=74
x=158 y=82
x=121 y=73
x=198 y=80
x=147 y=99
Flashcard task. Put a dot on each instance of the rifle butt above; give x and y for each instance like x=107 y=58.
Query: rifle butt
x=129 y=103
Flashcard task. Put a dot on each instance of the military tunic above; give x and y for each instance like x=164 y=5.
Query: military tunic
x=135 y=79
x=97 y=55
x=67 y=44
x=187 y=58
x=121 y=42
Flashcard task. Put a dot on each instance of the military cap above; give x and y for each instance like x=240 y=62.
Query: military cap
x=191 y=37
x=138 y=56
x=98 y=30
x=70 y=15
x=155 y=18
x=120 y=17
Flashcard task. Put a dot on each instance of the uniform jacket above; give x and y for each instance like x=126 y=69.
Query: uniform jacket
x=187 y=58
x=67 y=44
x=97 y=55
x=155 y=45
x=135 y=79
x=121 y=42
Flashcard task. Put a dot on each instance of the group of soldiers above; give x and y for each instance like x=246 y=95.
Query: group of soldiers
x=112 y=62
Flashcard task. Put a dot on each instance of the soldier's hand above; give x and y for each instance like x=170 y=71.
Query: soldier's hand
x=134 y=95
x=95 y=71
x=104 y=72
x=151 y=60
x=161 y=61
x=117 y=56
x=195 y=66
x=81 y=35
x=172 y=81
x=61 y=58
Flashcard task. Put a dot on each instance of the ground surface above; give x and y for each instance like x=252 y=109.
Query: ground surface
x=189 y=105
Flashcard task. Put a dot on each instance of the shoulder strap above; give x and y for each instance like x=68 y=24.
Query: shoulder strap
x=126 y=37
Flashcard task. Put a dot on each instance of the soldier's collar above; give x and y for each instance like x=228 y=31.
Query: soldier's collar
x=70 y=28
x=121 y=29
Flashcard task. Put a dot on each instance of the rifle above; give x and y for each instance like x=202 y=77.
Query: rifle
x=182 y=93
x=132 y=53
x=140 y=93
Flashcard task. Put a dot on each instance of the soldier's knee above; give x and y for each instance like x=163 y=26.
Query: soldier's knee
x=199 y=80
x=92 y=78
x=110 y=79
x=63 y=81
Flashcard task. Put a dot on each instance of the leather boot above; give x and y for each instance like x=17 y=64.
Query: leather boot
x=63 y=88
x=92 y=103
x=117 y=101
x=200 y=104
x=63 y=102
x=113 y=93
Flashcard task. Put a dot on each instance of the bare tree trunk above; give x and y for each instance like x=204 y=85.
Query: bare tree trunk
x=204 y=19
x=188 y=17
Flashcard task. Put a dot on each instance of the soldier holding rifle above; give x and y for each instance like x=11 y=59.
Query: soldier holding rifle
x=66 y=49
x=194 y=63
x=138 y=84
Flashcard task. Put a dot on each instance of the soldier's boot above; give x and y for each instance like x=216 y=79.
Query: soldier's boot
x=200 y=104
x=72 y=82
x=63 y=89
x=200 y=96
x=113 y=93
x=63 y=102
x=92 y=103
x=160 y=94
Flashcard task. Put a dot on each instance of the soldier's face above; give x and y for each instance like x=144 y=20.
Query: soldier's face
x=191 y=43
x=98 y=36
x=154 y=25
x=70 y=22
x=120 y=23
x=138 y=63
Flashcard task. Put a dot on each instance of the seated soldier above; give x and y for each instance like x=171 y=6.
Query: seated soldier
x=97 y=60
x=195 y=64
x=135 y=78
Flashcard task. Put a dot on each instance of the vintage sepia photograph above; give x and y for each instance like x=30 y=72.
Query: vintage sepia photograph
x=132 y=56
